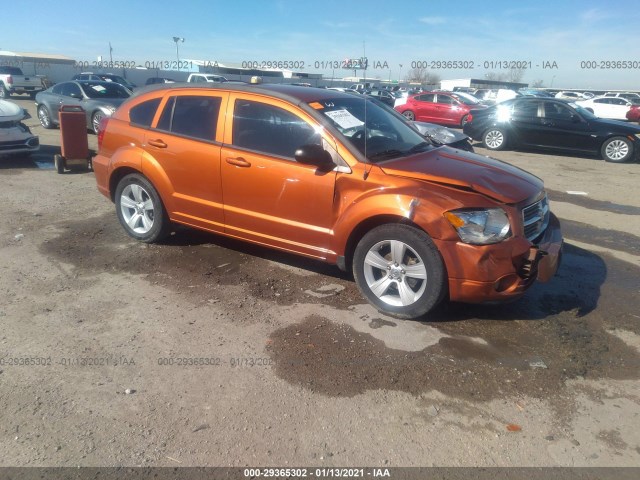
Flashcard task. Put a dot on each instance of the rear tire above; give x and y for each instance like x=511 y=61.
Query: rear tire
x=95 y=121
x=399 y=270
x=464 y=120
x=45 y=117
x=140 y=209
x=409 y=115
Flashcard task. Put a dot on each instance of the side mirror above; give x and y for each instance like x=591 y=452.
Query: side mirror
x=314 y=155
x=575 y=118
x=76 y=95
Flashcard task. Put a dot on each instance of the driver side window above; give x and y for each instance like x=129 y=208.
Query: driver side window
x=270 y=130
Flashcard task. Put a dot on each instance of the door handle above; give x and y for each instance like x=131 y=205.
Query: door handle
x=548 y=124
x=157 y=143
x=238 y=162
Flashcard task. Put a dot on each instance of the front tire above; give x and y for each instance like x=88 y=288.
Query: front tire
x=495 y=139
x=4 y=93
x=617 y=150
x=399 y=270
x=140 y=210
x=464 y=120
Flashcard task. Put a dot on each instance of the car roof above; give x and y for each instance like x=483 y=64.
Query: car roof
x=291 y=93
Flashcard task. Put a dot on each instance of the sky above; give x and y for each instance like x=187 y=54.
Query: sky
x=582 y=44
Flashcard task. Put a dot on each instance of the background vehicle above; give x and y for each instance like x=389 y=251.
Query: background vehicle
x=633 y=97
x=554 y=124
x=607 y=107
x=338 y=177
x=439 y=107
x=156 y=80
x=97 y=99
x=105 y=77
x=384 y=96
x=15 y=137
x=634 y=113
x=13 y=81
x=569 y=95
x=205 y=78
x=445 y=136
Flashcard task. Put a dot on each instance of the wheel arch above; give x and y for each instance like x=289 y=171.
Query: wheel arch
x=366 y=225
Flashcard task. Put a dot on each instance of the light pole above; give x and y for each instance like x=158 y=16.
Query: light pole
x=552 y=79
x=400 y=74
x=178 y=39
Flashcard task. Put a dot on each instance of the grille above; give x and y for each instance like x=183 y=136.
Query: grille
x=535 y=218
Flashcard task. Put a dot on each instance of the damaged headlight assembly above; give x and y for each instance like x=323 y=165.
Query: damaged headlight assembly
x=480 y=227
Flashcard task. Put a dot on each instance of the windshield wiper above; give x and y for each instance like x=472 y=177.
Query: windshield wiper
x=386 y=154
x=420 y=147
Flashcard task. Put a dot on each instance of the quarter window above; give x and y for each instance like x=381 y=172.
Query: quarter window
x=271 y=130
x=143 y=113
x=191 y=116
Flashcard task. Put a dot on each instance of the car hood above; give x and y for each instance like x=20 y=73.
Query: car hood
x=616 y=126
x=10 y=112
x=488 y=176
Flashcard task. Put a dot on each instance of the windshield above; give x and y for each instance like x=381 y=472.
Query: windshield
x=104 y=90
x=376 y=131
x=583 y=111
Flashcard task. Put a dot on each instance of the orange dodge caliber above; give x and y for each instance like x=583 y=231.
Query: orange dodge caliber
x=333 y=176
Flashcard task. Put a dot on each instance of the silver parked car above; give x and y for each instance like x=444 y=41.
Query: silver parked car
x=15 y=137
x=97 y=99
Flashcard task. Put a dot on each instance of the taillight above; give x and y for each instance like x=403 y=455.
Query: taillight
x=101 y=129
x=10 y=80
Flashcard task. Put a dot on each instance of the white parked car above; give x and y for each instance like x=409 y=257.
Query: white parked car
x=615 y=108
x=15 y=136
x=570 y=95
x=633 y=97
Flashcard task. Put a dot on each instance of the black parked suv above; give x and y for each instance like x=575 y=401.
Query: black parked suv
x=553 y=124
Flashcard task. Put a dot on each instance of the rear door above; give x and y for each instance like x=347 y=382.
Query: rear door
x=526 y=122
x=270 y=198
x=184 y=151
x=425 y=107
x=444 y=110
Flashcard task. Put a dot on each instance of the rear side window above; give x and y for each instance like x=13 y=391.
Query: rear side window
x=271 y=130
x=191 y=116
x=525 y=109
x=426 y=98
x=143 y=113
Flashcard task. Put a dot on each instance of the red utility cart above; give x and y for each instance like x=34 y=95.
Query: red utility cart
x=74 y=141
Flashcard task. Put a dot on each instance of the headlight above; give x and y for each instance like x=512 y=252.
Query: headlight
x=637 y=135
x=480 y=227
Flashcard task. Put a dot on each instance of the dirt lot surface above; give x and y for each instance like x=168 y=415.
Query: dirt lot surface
x=205 y=351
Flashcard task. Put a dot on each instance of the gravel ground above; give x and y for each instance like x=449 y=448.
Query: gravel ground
x=204 y=351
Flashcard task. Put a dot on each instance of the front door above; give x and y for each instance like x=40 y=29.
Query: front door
x=268 y=197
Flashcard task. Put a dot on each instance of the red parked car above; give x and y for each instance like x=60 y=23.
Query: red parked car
x=439 y=107
x=633 y=114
